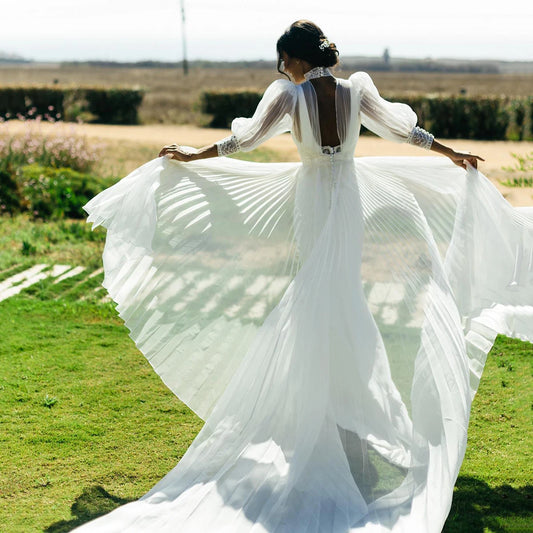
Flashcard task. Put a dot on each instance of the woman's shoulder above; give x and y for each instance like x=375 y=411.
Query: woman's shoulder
x=281 y=86
x=360 y=79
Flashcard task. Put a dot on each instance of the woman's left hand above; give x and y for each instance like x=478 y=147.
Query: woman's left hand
x=174 y=151
x=460 y=158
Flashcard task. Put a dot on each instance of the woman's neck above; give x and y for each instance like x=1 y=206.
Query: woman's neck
x=317 y=72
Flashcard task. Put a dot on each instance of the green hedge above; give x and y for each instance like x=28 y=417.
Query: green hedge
x=484 y=118
x=225 y=106
x=47 y=192
x=92 y=104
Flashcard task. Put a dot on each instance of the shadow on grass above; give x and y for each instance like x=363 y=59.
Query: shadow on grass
x=477 y=508
x=91 y=503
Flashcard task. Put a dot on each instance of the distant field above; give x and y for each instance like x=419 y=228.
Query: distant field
x=172 y=97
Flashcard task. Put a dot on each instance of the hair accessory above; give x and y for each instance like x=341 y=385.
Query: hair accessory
x=324 y=44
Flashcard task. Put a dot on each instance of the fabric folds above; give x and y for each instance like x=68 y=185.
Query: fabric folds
x=329 y=320
x=331 y=337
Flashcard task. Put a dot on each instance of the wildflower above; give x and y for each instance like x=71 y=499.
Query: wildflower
x=61 y=148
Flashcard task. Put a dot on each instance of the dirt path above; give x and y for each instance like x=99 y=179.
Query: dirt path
x=496 y=153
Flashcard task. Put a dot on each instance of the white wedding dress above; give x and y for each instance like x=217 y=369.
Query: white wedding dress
x=329 y=320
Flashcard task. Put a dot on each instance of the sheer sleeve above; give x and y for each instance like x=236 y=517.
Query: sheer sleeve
x=390 y=120
x=272 y=117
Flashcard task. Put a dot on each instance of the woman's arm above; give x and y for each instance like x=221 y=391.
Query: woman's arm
x=459 y=158
x=396 y=121
x=420 y=137
x=272 y=116
x=227 y=146
x=174 y=151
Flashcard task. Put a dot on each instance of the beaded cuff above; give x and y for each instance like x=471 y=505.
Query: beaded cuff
x=228 y=145
x=420 y=137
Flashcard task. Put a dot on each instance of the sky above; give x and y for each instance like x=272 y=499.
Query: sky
x=132 y=30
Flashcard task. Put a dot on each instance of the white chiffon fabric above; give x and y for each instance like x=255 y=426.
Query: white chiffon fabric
x=329 y=320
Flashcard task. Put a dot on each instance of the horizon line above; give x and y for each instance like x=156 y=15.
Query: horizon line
x=22 y=60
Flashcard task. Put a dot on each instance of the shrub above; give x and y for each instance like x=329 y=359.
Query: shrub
x=30 y=101
x=462 y=117
x=56 y=192
x=225 y=106
x=527 y=126
x=47 y=175
x=114 y=106
x=516 y=129
x=90 y=104
x=10 y=194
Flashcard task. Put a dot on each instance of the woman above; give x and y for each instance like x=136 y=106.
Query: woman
x=328 y=319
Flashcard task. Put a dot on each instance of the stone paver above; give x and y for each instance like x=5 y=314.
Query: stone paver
x=15 y=284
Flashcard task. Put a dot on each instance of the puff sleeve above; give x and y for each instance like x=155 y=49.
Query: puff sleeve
x=390 y=120
x=273 y=116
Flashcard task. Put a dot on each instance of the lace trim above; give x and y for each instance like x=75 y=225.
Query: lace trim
x=420 y=137
x=228 y=145
x=317 y=72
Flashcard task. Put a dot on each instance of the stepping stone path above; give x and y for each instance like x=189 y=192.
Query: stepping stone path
x=383 y=299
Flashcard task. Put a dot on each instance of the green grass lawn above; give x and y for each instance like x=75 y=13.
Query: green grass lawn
x=87 y=425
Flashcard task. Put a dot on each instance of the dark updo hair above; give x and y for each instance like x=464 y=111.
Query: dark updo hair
x=302 y=39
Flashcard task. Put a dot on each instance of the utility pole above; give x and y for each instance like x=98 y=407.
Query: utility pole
x=184 y=40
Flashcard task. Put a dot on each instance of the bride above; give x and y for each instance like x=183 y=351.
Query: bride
x=328 y=319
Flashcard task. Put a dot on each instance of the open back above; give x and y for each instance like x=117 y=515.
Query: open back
x=324 y=115
x=322 y=98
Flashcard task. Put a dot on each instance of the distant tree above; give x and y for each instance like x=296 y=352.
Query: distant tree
x=386 y=57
